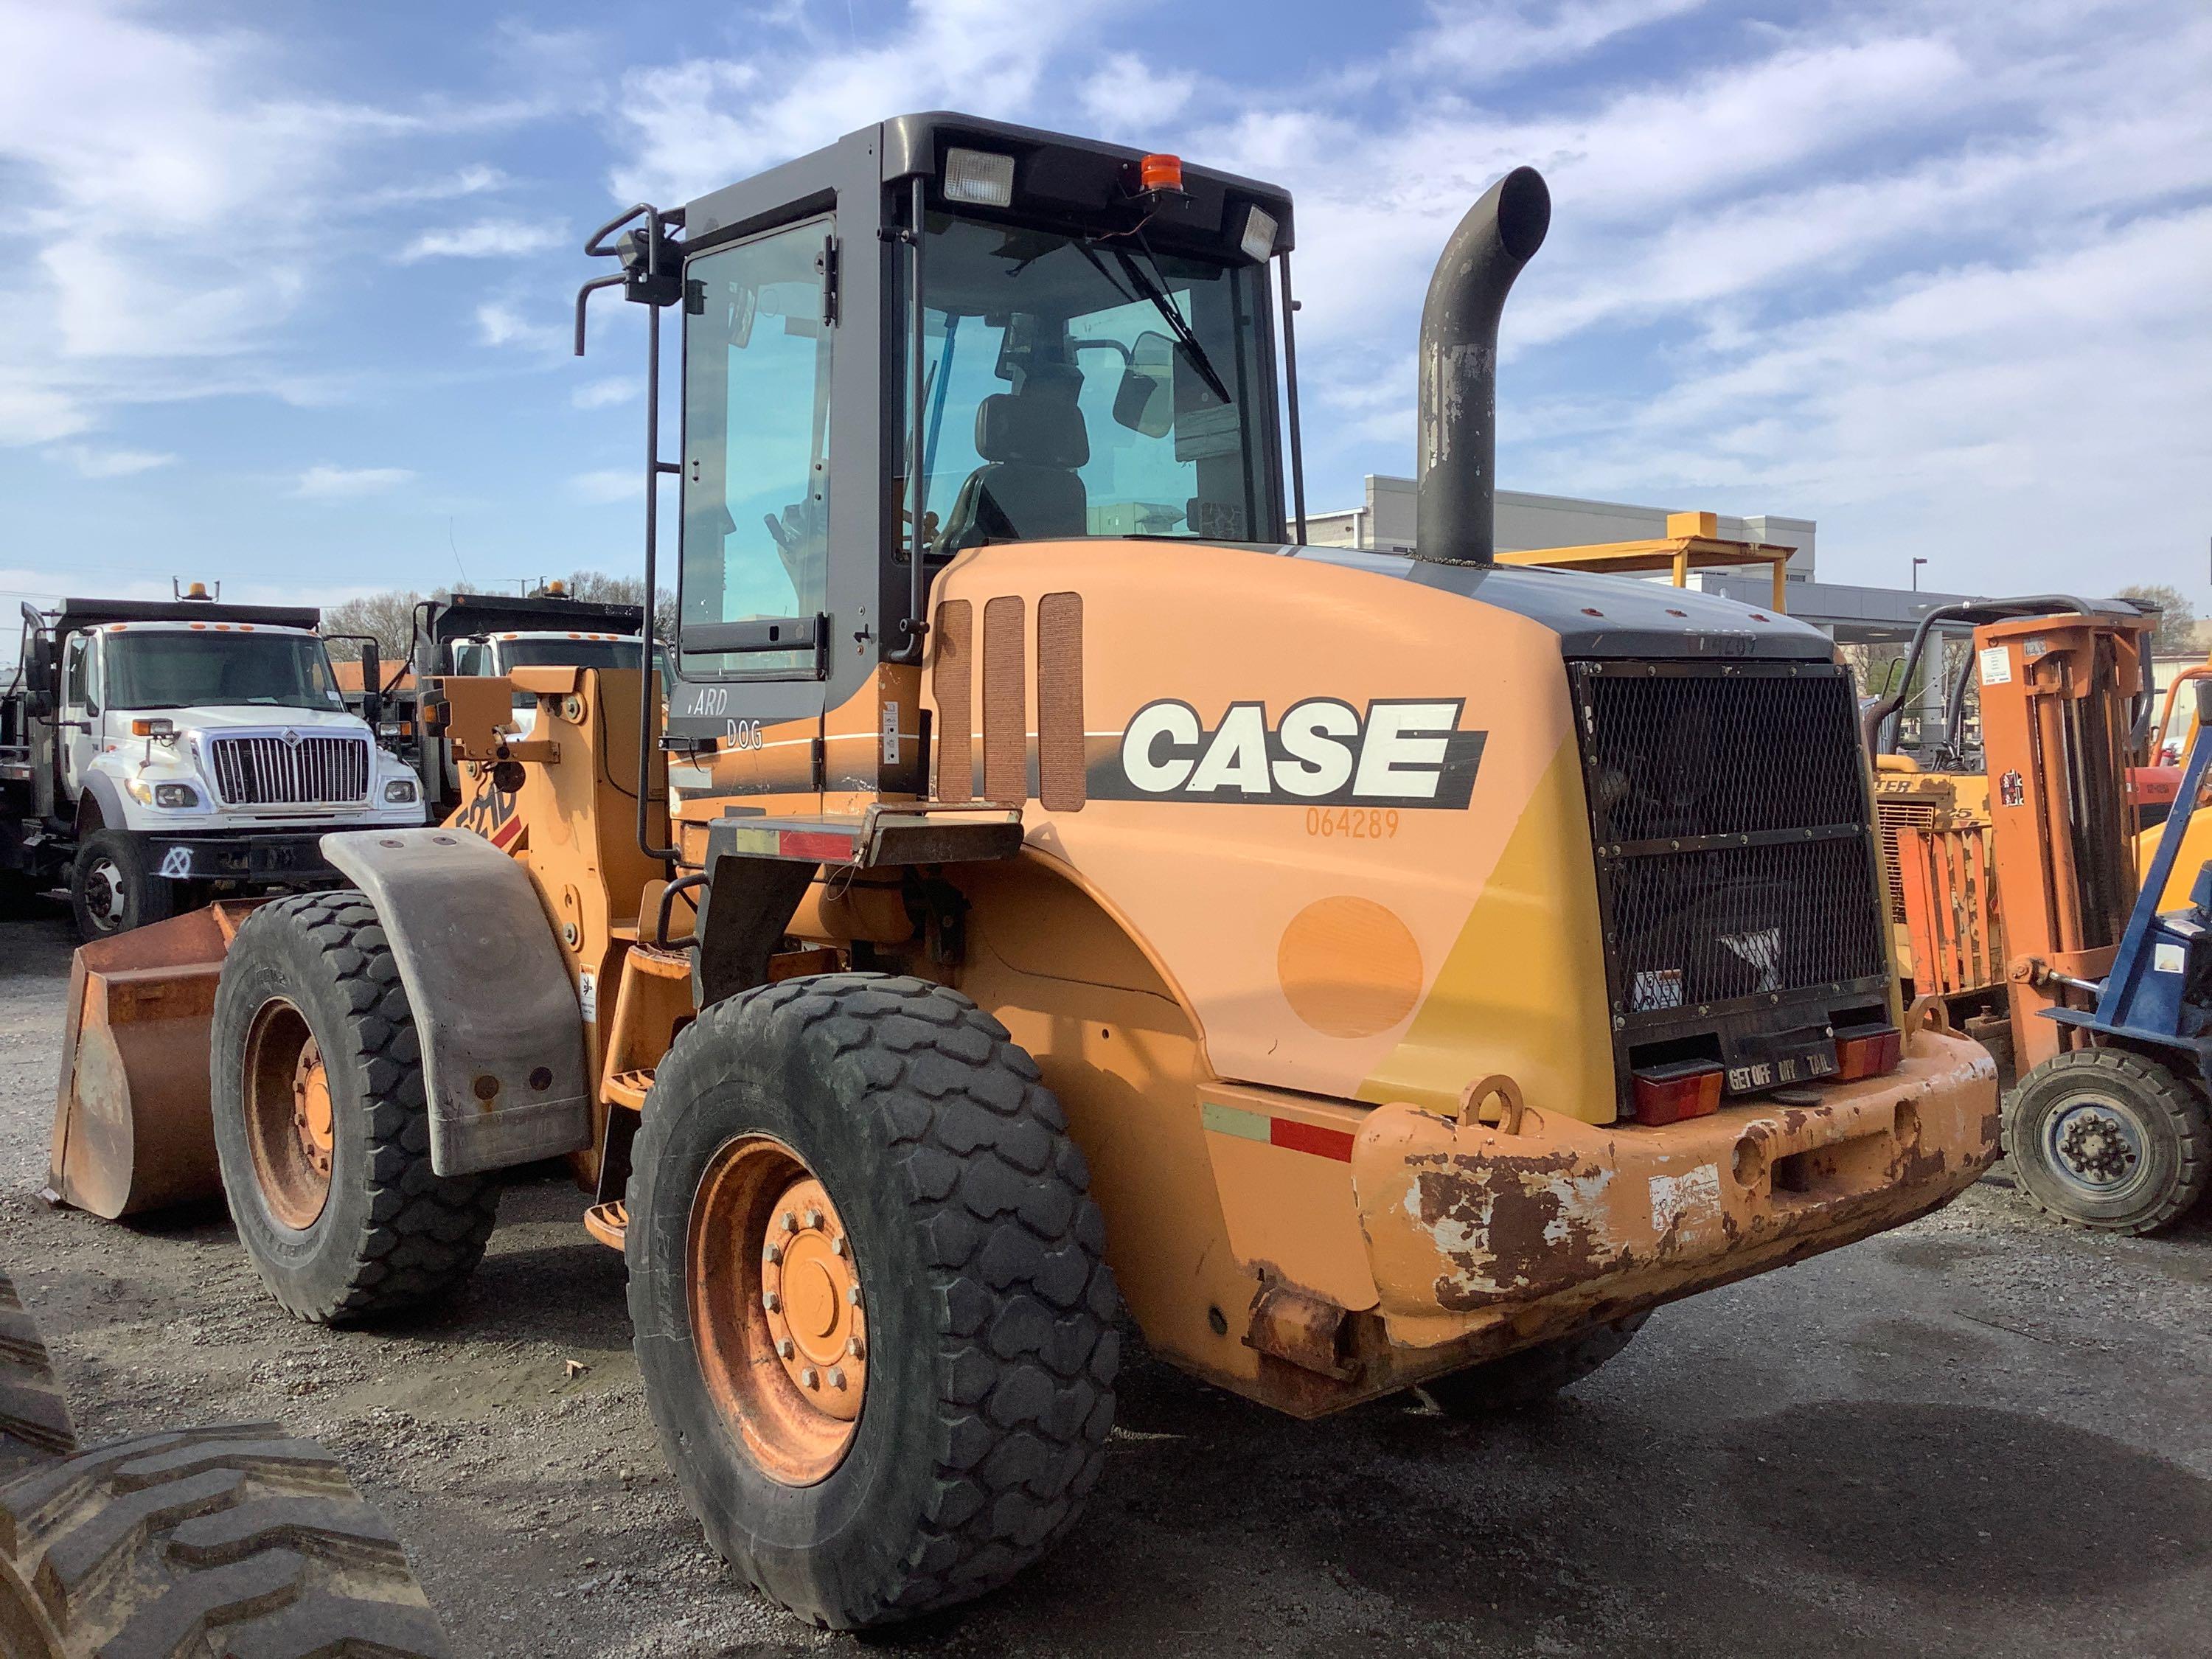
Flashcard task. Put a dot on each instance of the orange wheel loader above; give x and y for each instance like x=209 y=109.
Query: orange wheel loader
x=1054 y=890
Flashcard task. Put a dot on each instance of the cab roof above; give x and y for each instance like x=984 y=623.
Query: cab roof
x=73 y=614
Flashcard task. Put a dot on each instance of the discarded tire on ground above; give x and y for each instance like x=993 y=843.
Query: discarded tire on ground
x=1532 y=1376
x=197 y=1544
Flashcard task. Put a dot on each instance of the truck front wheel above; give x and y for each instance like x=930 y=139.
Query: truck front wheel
x=321 y=1125
x=112 y=890
x=868 y=1294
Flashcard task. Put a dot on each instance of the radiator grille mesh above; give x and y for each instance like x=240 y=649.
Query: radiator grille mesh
x=1729 y=808
x=1005 y=711
x=953 y=680
x=1061 y=785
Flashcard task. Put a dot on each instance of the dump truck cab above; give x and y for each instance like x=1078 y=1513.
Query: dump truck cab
x=1051 y=887
x=169 y=749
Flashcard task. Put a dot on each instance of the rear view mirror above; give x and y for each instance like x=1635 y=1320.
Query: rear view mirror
x=1144 y=401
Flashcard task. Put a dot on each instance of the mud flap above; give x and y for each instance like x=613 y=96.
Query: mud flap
x=503 y=1035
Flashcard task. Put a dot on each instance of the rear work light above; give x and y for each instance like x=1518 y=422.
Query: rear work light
x=979 y=177
x=1685 y=1088
x=1868 y=1051
x=1259 y=238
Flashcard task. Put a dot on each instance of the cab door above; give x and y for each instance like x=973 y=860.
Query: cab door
x=754 y=592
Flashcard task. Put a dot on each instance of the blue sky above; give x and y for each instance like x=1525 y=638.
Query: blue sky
x=286 y=297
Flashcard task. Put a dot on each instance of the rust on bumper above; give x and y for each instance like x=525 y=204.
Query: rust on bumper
x=1482 y=1241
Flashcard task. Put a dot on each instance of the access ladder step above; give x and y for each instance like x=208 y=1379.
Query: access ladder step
x=608 y=1222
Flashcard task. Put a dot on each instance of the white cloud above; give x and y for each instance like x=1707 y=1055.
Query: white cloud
x=1478 y=41
x=703 y=121
x=92 y=463
x=610 y=485
x=500 y=323
x=599 y=394
x=1125 y=95
x=485 y=239
x=472 y=181
x=327 y=483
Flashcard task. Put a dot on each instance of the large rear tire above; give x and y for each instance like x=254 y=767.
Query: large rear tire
x=213 y=1541
x=320 y=1123
x=2109 y=1141
x=1533 y=1375
x=34 y=1417
x=958 y=1257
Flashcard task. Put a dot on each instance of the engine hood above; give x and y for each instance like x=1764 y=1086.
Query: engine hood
x=218 y=719
x=1599 y=615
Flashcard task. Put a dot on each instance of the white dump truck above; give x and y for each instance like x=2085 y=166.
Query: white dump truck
x=156 y=753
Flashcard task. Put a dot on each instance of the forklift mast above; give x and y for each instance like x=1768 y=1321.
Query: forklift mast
x=2061 y=703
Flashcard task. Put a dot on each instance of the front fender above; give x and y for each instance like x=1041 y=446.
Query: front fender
x=502 y=1035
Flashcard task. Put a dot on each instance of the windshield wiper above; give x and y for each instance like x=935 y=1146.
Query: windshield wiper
x=1157 y=292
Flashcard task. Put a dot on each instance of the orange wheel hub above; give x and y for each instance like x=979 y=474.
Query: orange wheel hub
x=777 y=1316
x=288 y=1117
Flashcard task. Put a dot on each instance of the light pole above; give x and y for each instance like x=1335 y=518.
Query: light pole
x=1916 y=564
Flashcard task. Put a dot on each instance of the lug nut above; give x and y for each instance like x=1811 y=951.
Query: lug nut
x=773 y=1255
x=811 y=1377
x=837 y=1246
x=771 y=1301
x=853 y=1346
x=784 y=1350
x=814 y=1217
x=852 y=1294
x=836 y=1376
x=789 y=1221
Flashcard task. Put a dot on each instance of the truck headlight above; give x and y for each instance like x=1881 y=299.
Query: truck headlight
x=399 y=792
x=175 y=795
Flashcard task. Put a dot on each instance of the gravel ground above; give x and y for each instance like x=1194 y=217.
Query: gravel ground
x=1982 y=1434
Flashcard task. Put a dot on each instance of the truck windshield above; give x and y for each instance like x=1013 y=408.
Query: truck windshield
x=578 y=654
x=198 y=670
x=1082 y=385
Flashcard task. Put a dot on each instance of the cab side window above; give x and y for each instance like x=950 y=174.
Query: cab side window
x=79 y=686
x=756 y=453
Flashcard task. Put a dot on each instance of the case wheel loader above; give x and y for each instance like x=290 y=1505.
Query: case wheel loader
x=1051 y=890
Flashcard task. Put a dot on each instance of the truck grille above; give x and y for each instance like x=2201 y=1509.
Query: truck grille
x=1736 y=865
x=297 y=771
x=1893 y=816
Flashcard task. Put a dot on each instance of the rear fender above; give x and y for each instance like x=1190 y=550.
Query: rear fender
x=495 y=1010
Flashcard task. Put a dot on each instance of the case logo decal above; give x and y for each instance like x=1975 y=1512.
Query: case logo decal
x=1405 y=752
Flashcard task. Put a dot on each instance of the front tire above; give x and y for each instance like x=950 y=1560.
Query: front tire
x=978 y=1298
x=2110 y=1141
x=321 y=1125
x=112 y=890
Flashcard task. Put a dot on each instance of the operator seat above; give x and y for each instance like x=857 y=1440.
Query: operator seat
x=1027 y=489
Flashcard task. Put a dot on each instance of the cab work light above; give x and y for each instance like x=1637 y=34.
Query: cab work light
x=1259 y=238
x=1868 y=1051
x=979 y=177
x=1669 y=1093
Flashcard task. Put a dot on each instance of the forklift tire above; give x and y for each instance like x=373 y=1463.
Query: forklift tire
x=210 y=1541
x=887 y=1129
x=320 y=1123
x=1531 y=1376
x=112 y=890
x=2110 y=1141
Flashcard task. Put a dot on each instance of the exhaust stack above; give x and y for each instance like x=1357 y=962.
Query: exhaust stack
x=1457 y=522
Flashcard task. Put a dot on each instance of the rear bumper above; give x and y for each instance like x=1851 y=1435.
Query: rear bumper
x=290 y=860
x=1484 y=1241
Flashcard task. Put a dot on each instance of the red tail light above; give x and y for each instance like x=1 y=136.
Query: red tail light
x=1868 y=1051
x=1668 y=1094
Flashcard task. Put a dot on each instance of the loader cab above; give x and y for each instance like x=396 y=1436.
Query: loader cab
x=938 y=333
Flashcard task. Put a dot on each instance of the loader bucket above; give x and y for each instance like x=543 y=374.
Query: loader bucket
x=132 y=1128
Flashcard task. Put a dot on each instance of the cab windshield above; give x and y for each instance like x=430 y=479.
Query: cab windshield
x=1084 y=386
x=233 y=669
